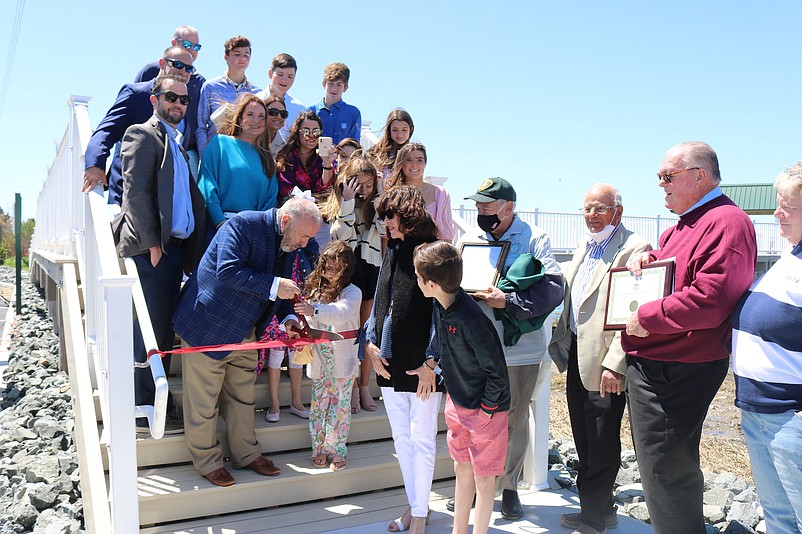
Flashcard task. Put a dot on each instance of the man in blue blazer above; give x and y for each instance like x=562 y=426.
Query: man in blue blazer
x=243 y=280
x=132 y=106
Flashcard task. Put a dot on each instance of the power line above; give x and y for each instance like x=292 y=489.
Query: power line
x=11 y=53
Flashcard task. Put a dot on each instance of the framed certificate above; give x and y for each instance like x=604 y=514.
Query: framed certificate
x=626 y=293
x=482 y=263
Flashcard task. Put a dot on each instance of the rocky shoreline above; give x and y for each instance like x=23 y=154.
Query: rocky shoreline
x=39 y=477
x=730 y=503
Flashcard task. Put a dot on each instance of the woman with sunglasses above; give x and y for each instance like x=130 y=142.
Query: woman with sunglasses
x=397 y=335
x=238 y=172
x=299 y=163
x=276 y=115
x=410 y=164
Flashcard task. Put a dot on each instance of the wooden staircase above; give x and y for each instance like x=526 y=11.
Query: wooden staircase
x=171 y=490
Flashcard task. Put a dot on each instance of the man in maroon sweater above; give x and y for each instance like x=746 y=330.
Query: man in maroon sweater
x=678 y=347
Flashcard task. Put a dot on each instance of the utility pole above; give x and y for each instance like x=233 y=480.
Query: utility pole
x=18 y=246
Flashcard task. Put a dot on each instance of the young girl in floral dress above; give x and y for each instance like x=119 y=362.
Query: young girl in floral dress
x=332 y=303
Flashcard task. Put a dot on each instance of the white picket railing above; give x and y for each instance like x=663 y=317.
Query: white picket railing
x=73 y=226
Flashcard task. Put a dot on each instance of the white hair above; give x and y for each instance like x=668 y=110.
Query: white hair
x=181 y=30
x=300 y=208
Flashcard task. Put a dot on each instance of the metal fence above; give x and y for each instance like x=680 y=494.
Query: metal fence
x=566 y=229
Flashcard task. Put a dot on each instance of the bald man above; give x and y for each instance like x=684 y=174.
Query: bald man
x=595 y=361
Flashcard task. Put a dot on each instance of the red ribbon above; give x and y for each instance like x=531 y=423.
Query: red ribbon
x=254 y=345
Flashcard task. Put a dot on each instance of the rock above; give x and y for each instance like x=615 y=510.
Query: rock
x=713 y=513
x=43 y=469
x=719 y=497
x=638 y=511
x=744 y=513
x=629 y=476
x=44 y=496
x=747 y=495
x=25 y=513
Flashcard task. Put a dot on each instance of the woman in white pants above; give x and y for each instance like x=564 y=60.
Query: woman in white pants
x=398 y=334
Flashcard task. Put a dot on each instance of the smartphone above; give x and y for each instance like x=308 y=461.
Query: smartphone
x=324 y=146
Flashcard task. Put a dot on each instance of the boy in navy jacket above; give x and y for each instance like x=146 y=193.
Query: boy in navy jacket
x=475 y=373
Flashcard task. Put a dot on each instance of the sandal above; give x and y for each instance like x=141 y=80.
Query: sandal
x=366 y=399
x=398 y=525
x=320 y=460
x=355 y=409
x=338 y=463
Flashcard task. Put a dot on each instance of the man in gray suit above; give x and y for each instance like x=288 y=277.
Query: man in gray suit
x=594 y=358
x=161 y=225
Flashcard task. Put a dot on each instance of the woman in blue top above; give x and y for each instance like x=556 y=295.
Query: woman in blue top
x=238 y=172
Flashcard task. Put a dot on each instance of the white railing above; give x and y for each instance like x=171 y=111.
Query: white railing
x=73 y=225
x=566 y=229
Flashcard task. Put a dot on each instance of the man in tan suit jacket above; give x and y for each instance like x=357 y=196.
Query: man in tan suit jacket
x=595 y=361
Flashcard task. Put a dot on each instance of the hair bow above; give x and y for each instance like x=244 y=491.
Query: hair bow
x=300 y=193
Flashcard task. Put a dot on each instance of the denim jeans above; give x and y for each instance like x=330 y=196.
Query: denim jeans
x=774 y=441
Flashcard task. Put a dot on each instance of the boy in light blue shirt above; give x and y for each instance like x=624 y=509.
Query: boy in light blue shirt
x=340 y=120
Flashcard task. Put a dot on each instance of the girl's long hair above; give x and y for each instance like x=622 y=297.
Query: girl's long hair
x=295 y=140
x=397 y=177
x=386 y=149
x=321 y=289
x=357 y=164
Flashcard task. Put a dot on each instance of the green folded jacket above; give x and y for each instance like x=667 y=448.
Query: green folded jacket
x=523 y=273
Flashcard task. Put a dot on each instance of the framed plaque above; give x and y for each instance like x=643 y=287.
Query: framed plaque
x=626 y=293
x=482 y=263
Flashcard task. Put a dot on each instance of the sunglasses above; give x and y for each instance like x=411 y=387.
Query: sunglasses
x=171 y=97
x=180 y=65
x=189 y=45
x=306 y=132
x=274 y=112
x=389 y=214
x=667 y=177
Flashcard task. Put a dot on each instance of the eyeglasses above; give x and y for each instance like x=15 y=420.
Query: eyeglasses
x=306 y=132
x=600 y=210
x=171 y=97
x=180 y=65
x=666 y=177
x=189 y=45
x=274 y=112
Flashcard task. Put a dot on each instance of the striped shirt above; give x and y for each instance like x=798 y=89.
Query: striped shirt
x=595 y=251
x=767 y=339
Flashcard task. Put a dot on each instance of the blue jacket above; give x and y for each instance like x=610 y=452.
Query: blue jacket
x=229 y=293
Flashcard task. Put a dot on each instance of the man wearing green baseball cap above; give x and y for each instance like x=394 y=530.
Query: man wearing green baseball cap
x=495 y=200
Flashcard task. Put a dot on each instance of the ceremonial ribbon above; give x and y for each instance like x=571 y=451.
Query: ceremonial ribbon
x=254 y=345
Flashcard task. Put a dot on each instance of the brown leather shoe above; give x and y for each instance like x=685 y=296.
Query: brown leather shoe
x=220 y=477
x=263 y=466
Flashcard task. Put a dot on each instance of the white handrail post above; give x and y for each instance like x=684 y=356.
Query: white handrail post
x=79 y=114
x=536 y=462
x=115 y=349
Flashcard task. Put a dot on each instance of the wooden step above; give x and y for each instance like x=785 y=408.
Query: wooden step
x=179 y=492
x=330 y=515
x=290 y=433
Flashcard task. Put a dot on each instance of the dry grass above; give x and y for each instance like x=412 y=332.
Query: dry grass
x=722 y=447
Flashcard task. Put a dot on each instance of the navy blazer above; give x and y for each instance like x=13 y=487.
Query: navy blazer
x=196 y=81
x=229 y=293
x=131 y=107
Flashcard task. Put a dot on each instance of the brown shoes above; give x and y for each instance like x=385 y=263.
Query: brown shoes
x=220 y=477
x=263 y=466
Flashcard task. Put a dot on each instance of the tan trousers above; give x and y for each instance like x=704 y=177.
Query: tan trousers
x=226 y=387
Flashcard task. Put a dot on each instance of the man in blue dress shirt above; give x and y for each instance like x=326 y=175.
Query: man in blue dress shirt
x=340 y=120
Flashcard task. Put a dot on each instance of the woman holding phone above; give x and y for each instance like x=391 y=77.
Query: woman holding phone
x=299 y=163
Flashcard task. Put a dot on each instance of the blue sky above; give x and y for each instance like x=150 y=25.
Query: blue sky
x=553 y=96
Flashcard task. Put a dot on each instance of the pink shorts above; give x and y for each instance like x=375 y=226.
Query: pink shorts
x=474 y=438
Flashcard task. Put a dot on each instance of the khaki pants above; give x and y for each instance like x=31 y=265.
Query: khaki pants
x=226 y=387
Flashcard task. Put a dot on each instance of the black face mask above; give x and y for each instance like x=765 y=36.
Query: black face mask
x=488 y=223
